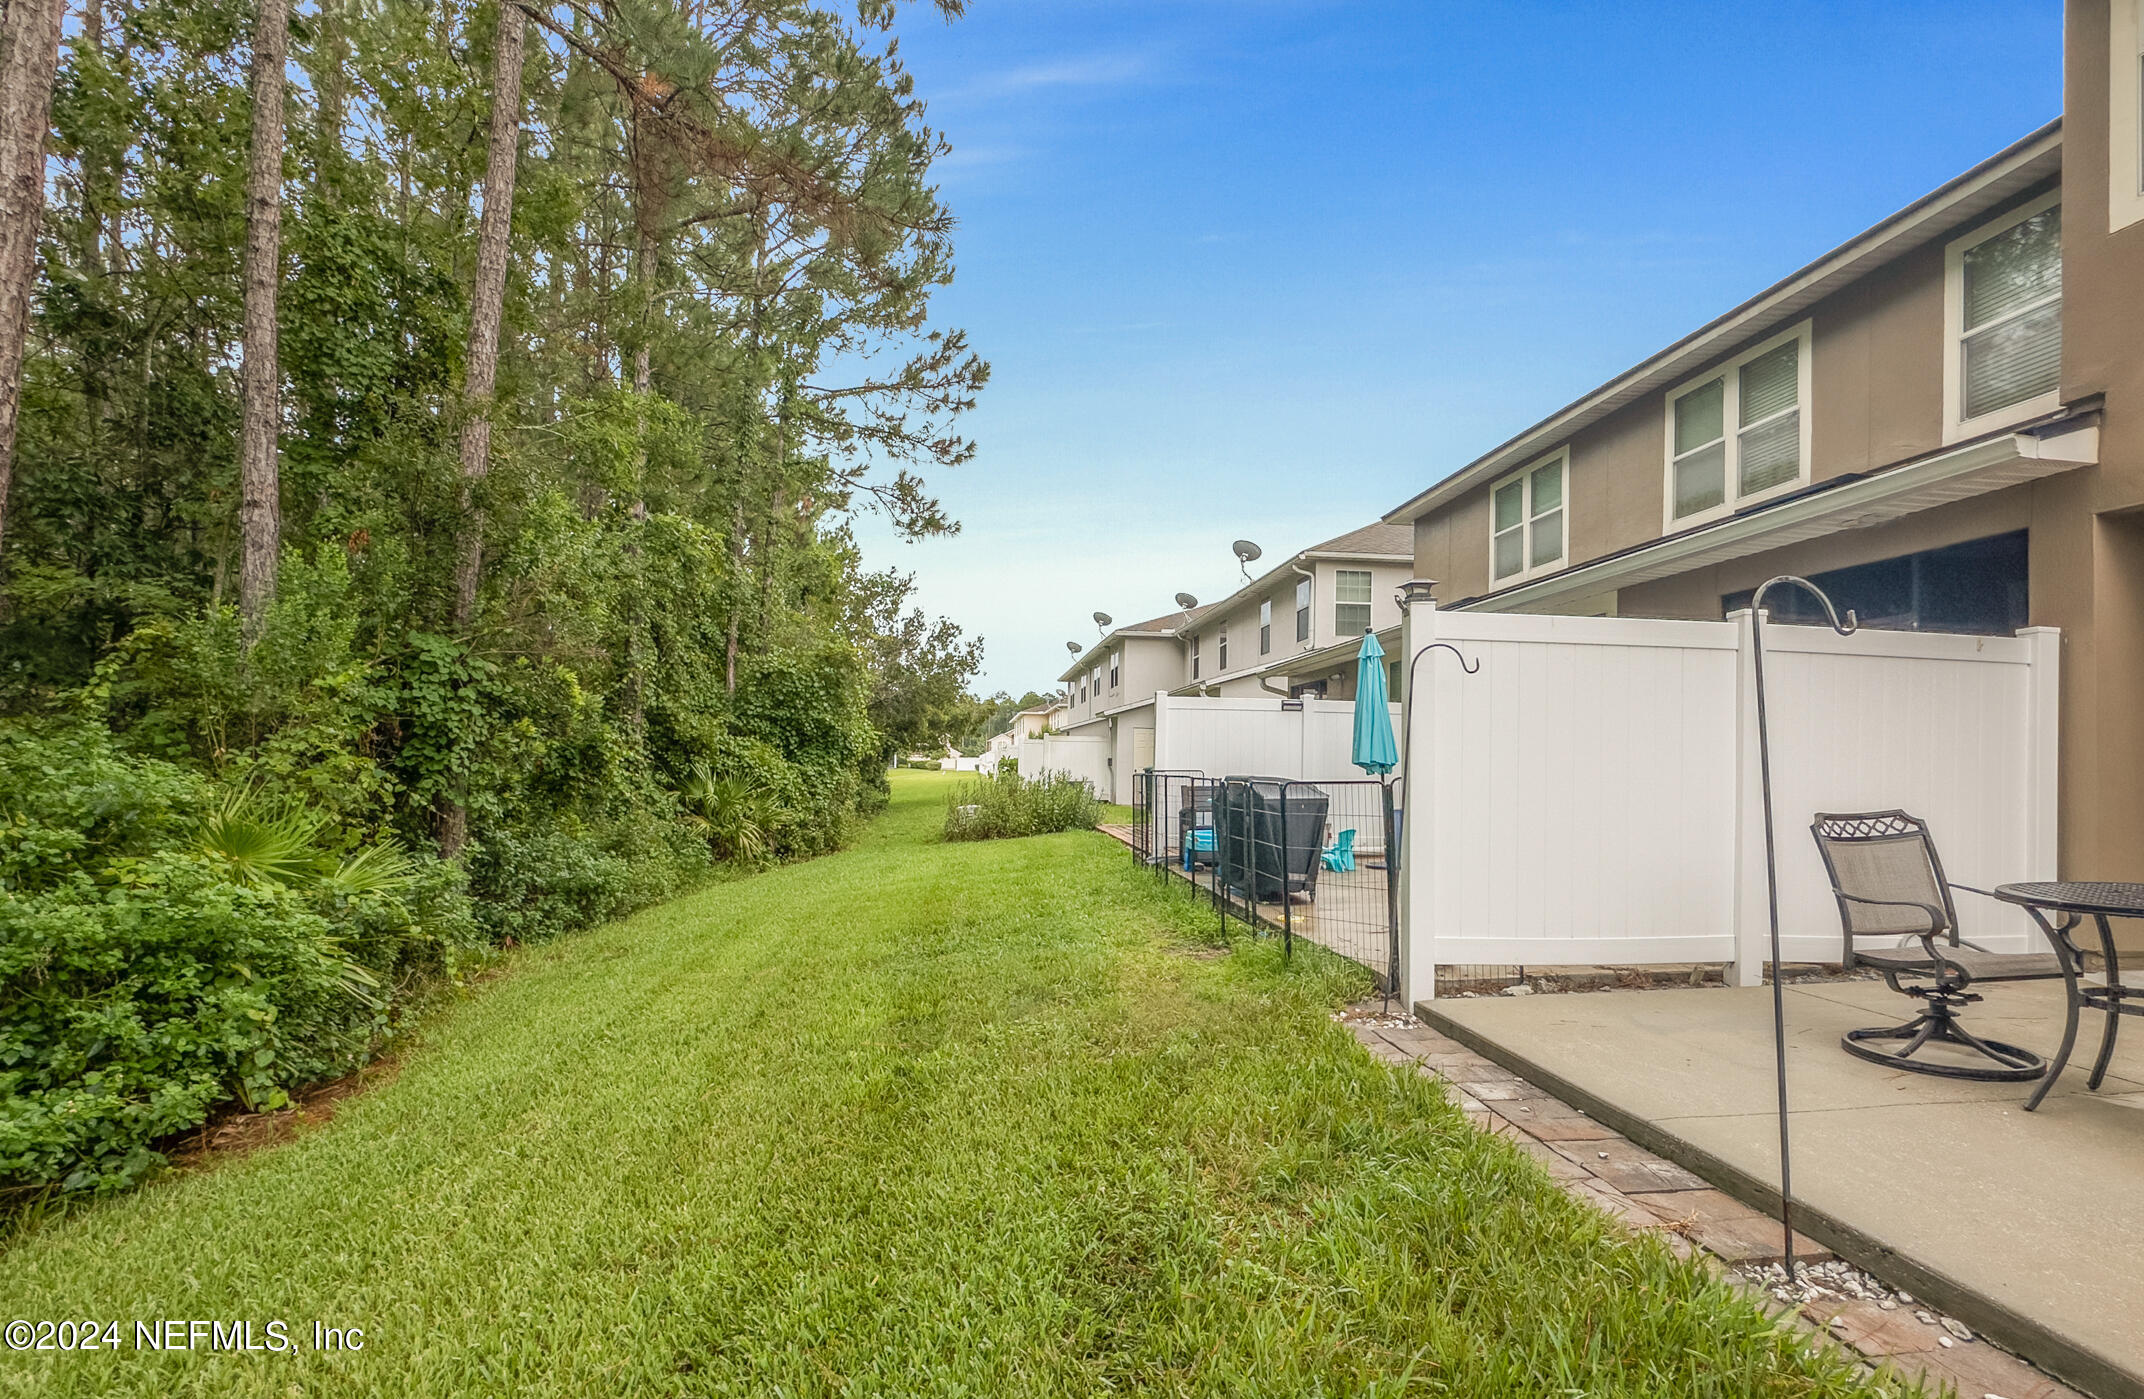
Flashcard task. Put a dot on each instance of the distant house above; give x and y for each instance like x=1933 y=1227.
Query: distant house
x=1028 y=723
x=1941 y=422
x=1284 y=634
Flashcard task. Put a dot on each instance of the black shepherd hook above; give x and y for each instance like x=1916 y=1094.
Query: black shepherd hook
x=1392 y=856
x=1771 y=877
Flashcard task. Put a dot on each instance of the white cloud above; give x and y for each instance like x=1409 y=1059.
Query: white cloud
x=1091 y=70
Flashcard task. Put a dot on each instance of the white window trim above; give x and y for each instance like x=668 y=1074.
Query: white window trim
x=1116 y=670
x=1527 y=568
x=1265 y=627
x=1955 y=428
x=1370 y=602
x=2125 y=106
x=1729 y=372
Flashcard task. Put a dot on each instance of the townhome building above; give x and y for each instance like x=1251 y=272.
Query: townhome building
x=1940 y=422
x=1276 y=637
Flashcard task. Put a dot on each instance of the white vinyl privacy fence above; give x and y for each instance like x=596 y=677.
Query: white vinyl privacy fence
x=1311 y=740
x=1590 y=795
x=1074 y=755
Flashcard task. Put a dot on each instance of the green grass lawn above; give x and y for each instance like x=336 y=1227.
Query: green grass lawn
x=915 y=1119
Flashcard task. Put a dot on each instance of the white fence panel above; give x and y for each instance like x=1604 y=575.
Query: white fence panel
x=1075 y=755
x=1591 y=794
x=1941 y=726
x=1243 y=736
x=1574 y=801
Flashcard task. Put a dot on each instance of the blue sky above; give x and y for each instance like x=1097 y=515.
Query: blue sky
x=1252 y=268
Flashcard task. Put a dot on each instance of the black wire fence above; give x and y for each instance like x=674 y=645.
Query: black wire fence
x=1315 y=860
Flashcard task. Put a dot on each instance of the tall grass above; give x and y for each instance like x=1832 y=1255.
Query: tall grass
x=1007 y=804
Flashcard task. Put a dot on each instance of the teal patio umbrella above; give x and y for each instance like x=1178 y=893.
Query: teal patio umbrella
x=1376 y=750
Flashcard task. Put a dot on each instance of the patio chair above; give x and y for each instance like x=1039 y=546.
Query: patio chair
x=1889 y=883
x=1339 y=857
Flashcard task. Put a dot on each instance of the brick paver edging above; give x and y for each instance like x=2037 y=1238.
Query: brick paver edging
x=1609 y=1171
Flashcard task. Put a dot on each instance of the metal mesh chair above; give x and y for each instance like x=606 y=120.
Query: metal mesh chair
x=1889 y=883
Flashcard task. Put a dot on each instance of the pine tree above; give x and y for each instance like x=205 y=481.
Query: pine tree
x=487 y=300
x=29 y=55
x=260 y=511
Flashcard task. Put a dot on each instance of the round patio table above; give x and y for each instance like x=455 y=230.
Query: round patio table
x=2058 y=906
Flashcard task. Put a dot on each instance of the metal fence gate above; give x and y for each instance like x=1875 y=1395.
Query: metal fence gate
x=1169 y=808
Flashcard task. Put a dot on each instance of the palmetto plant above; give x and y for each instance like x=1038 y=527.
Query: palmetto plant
x=262 y=842
x=735 y=815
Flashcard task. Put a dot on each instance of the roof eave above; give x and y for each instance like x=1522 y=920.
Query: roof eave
x=2011 y=170
x=2062 y=441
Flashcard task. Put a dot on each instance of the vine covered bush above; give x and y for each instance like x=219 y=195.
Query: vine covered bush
x=162 y=951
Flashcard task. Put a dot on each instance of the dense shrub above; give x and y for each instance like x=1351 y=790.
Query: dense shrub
x=1007 y=804
x=531 y=885
x=164 y=948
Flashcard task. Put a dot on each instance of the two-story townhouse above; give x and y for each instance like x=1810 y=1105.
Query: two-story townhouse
x=1118 y=677
x=1276 y=635
x=1940 y=422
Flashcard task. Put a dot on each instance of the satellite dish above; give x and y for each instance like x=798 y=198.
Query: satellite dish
x=1186 y=601
x=1101 y=619
x=1073 y=647
x=1247 y=554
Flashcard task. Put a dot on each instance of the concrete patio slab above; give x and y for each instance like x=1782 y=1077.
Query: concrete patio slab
x=2028 y=1226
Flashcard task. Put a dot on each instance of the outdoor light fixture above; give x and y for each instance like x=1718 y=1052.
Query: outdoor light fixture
x=1247 y=554
x=1415 y=590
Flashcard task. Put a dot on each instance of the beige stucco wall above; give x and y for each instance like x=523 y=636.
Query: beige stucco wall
x=2097 y=595
x=1151 y=665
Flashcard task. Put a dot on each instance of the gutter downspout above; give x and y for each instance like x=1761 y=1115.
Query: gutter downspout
x=1305 y=645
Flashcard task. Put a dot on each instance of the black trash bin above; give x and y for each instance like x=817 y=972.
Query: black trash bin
x=1268 y=834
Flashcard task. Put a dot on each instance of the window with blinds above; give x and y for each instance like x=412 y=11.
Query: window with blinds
x=2008 y=293
x=1741 y=433
x=1526 y=514
x=1302 y=609
x=1351 y=601
x=2125 y=114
